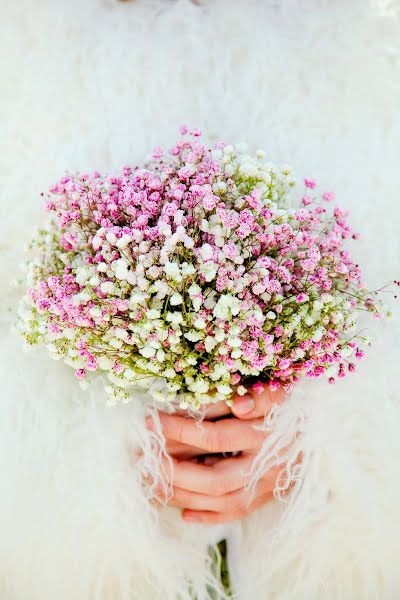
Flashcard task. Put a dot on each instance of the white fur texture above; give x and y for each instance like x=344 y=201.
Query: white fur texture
x=97 y=84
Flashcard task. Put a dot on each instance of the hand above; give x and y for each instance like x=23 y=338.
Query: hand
x=213 y=490
x=251 y=406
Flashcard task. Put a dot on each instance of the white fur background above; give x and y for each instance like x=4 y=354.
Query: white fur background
x=96 y=84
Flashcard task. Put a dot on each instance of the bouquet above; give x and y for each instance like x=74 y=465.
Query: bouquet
x=195 y=276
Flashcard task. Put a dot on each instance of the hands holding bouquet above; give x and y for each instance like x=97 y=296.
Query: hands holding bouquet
x=209 y=486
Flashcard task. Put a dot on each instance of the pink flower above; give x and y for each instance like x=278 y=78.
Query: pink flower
x=302 y=297
x=302 y=215
x=209 y=202
x=80 y=373
x=195 y=132
x=328 y=196
x=235 y=378
x=258 y=387
x=306 y=200
x=157 y=152
x=310 y=183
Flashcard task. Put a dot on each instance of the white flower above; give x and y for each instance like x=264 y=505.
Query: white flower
x=200 y=386
x=82 y=274
x=147 y=352
x=199 y=323
x=169 y=373
x=194 y=290
x=227 y=305
x=234 y=342
x=153 y=272
x=271 y=315
x=164 y=229
x=210 y=343
x=124 y=241
x=176 y=299
x=219 y=334
x=317 y=305
x=197 y=302
x=160 y=355
x=346 y=351
x=172 y=271
x=111 y=237
x=102 y=267
x=107 y=287
x=96 y=242
x=219 y=187
x=193 y=336
x=241 y=390
x=219 y=371
x=188 y=242
x=178 y=217
x=120 y=268
x=153 y=314
x=115 y=343
x=144 y=246
x=136 y=298
x=94 y=281
x=229 y=169
x=120 y=333
x=162 y=289
x=209 y=270
x=206 y=251
x=205 y=225
x=175 y=318
x=187 y=269
x=224 y=389
x=317 y=336
x=106 y=363
x=143 y=283
x=210 y=301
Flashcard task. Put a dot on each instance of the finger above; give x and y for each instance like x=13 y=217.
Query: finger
x=182 y=451
x=254 y=405
x=227 y=435
x=213 y=518
x=216 y=411
x=228 y=503
x=223 y=477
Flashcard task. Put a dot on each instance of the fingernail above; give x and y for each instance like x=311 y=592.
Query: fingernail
x=244 y=405
x=150 y=424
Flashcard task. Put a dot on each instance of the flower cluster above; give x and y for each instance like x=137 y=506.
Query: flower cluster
x=195 y=276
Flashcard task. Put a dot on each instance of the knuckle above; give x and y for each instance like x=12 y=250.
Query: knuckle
x=180 y=430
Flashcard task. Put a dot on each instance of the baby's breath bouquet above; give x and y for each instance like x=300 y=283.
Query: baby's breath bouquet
x=195 y=276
